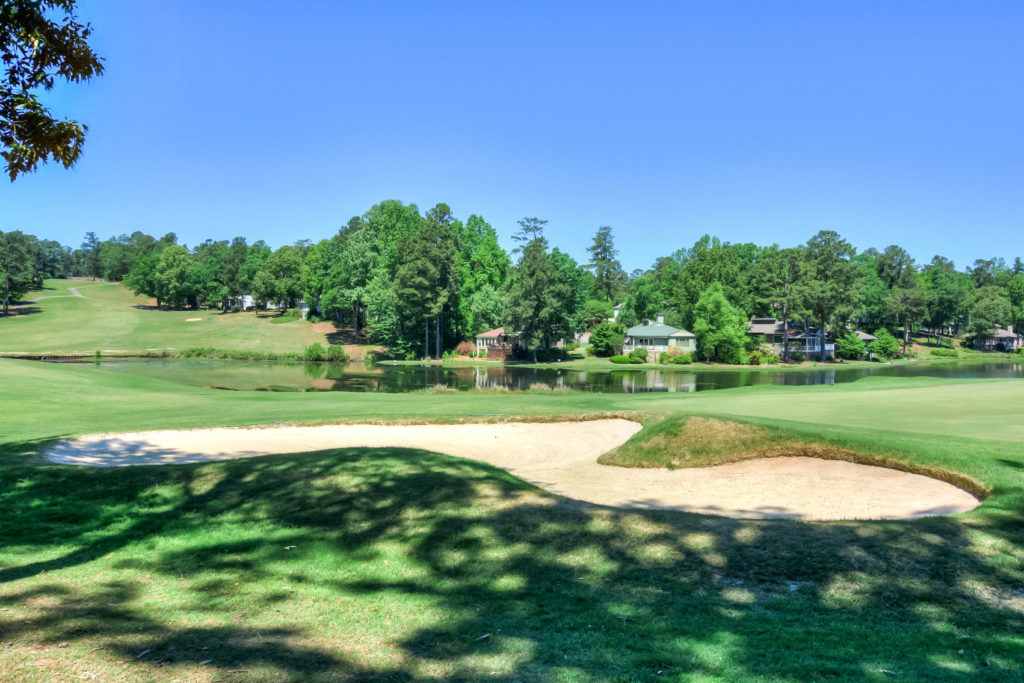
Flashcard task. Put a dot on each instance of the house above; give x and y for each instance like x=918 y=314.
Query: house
x=1004 y=339
x=865 y=337
x=615 y=312
x=498 y=344
x=657 y=337
x=802 y=338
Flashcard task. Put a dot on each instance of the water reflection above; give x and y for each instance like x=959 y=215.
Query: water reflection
x=266 y=376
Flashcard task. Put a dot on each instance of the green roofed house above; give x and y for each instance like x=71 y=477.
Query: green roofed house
x=657 y=337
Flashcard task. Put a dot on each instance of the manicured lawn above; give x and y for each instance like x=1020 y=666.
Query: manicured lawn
x=386 y=564
x=110 y=318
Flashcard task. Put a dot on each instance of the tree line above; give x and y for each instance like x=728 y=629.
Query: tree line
x=420 y=283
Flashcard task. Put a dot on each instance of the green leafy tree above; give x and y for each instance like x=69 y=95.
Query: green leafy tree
x=535 y=293
x=40 y=41
x=16 y=271
x=885 y=345
x=609 y=278
x=850 y=346
x=908 y=304
x=283 y=268
x=643 y=303
x=949 y=293
x=776 y=288
x=606 y=339
x=173 y=270
x=142 y=279
x=487 y=305
x=989 y=308
x=483 y=265
x=709 y=261
x=1015 y=293
x=829 y=281
x=596 y=312
x=720 y=327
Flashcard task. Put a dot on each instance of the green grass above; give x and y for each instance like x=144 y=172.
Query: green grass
x=110 y=318
x=388 y=564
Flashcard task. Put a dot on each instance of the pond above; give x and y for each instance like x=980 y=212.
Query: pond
x=271 y=376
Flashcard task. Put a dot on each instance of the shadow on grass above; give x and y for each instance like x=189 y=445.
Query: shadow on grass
x=399 y=564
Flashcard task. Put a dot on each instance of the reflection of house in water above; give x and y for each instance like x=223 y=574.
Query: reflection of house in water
x=654 y=380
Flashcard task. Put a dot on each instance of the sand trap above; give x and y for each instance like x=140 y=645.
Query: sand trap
x=561 y=458
x=192 y=320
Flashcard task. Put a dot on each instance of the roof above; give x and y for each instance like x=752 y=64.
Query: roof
x=864 y=336
x=683 y=333
x=655 y=330
x=1004 y=333
x=768 y=326
x=496 y=332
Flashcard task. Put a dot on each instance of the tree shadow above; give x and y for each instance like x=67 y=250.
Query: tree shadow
x=490 y=578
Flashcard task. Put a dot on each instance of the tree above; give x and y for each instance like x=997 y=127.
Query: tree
x=643 y=303
x=487 y=306
x=885 y=345
x=596 y=312
x=142 y=278
x=530 y=230
x=775 y=283
x=707 y=262
x=16 y=261
x=989 y=308
x=609 y=278
x=426 y=276
x=535 y=291
x=91 y=251
x=908 y=303
x=37 y=47
x=482 y=264
x=607 y=338
x=850 y=346
x=282 y=279
x=829 y=280
x=172 y=275
x=720 y=327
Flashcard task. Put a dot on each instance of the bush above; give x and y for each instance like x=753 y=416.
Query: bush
x=466 y=348
x=571 y=346
x=336 y=353
x=754 y=358
x=946 y=353
x=621 y=360
x=639 y=354
x=606 y=338
x=682 y=359
x=798 y=357
x=885 y=346
x=850 y=346
x=315 y=353
x=551 y=355
x=665 y=358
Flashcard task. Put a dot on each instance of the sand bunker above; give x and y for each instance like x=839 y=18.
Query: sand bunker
x=562 y=458
x=192 y=320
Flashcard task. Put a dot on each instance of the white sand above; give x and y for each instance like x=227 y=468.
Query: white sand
x=562 y=458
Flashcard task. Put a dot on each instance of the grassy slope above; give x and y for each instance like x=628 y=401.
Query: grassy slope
x=400 y=564
x=107 y=318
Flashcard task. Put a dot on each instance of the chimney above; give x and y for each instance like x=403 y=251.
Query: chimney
x=661 y=318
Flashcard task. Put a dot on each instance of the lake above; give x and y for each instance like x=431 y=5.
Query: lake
x=272 y=376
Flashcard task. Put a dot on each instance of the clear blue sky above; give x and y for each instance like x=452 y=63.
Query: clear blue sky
x=754 y=121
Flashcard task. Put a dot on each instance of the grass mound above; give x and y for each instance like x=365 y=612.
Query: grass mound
x=704 y=441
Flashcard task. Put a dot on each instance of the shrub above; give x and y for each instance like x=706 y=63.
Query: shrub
x=551 y=355
x=621 y=360
x=885 y=346
x=640 y=354
x=571 y=346
x=798 y=357
x=466 y=348
x=947 y=353
x=769 y=358
x=540 y=386
x=607 y=338
x=665 y=358
x=336 y=353
x=636 y=360
x=483 y=353
x=315 y=353
x=754 y=358
x=682 y=359
x=850 y=346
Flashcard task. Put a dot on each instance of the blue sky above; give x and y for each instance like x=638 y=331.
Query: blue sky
x=754 y=121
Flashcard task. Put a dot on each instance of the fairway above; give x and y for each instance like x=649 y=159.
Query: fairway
x=109 y=318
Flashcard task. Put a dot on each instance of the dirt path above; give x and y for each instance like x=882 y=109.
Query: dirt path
x=561 y=458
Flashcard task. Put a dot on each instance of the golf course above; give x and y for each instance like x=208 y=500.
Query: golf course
x=380 y=562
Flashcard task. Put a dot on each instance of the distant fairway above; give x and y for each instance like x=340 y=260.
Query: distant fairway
x=108 y=317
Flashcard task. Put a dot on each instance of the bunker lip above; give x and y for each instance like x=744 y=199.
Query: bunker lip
x=561 y=457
